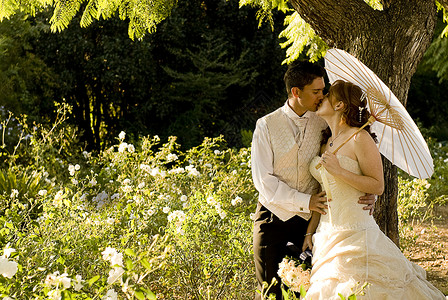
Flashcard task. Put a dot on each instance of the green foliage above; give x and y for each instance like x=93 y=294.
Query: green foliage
x=27 y=82
x=265 y=8
x=441 y=8
x=148 y=221
x=143 y=16
x=435 y=56
x=176 y=221
x=114 y=83
x=300 y=36
x=203 y=90
x=412 y=200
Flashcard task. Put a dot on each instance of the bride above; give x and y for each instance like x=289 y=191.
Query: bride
x=348 y=247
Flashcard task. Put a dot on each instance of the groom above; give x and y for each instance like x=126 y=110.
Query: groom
x=284 y=142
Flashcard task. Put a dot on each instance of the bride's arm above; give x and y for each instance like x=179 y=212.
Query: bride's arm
x=372 y=179
x=312 y=225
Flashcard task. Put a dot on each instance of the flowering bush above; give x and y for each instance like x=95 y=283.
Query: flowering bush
x=141 y=220
x=146 y=221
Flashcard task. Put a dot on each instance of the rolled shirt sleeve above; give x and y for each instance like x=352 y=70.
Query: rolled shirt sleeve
x=274 y=194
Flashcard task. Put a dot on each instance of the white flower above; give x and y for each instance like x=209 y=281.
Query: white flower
x=211 y=201
x=166 y=209
x=122 y=135
x=131 y=148
x=237 y=200
x=150 y=212
x=127 y=181
x=145 y=168
x=74 y=181
x=222 y=214
x=101 y=197
x=176 y=215
x=122 y=147
x=125 y=285
x=77 y=283
x=141 y=185
x=108 y=253
x=86 y=154
x=8 y=268
x=117 y=259
x=14 y=193
x=126 y=188
x=110 y=221
x=7 y=298
x=192 y=170
x=59 y=281
x=92 y=182
x=42 y=192
x=176 y=171
x=58 y=198
x=217 y=152
x=71 y=169
x=111 y=295
x=171 y=157
x=77 y=167
x=208 y=166
x=7 y=251
x=156 y=171
x=54 y=294
x=183 y=198
x=115 y=274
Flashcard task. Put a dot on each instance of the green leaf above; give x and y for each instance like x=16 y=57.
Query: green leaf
x=302 y=291
x=139 y=295
x=130 y=252
x=93 y=280
x=129 y=264
x=146 y=264
x=150 y=295
x=285 y=294
x=61 y=260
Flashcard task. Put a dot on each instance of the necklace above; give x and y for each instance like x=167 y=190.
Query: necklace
x=331 y=143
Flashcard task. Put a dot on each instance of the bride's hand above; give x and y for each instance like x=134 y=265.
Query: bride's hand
x=330 y=162
x=307 y=243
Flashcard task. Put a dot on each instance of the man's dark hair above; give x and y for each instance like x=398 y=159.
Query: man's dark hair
x=301 y=73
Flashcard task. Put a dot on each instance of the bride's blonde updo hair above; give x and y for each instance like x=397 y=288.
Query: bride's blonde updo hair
x=355 y=112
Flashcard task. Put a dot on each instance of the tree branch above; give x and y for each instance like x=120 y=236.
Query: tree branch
x=328 y=17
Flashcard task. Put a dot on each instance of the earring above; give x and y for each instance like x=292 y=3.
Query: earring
x=360 y=113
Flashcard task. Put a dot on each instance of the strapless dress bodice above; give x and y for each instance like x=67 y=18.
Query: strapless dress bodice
x=344 y=211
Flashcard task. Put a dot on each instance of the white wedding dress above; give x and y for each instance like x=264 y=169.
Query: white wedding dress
x=349 y=248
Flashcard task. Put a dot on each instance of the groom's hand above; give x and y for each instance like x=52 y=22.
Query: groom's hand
x=317 y=203
x=369 y=200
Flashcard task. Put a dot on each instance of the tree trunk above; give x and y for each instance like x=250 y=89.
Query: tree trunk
x=391 y=43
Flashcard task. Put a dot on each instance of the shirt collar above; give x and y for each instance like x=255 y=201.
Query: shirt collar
x=290 y=113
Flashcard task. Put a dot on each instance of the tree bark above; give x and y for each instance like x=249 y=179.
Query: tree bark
x=391 y=43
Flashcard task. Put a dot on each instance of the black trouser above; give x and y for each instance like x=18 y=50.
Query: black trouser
x=270 y=238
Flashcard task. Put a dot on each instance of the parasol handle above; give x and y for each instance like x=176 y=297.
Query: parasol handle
x=370 y=121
